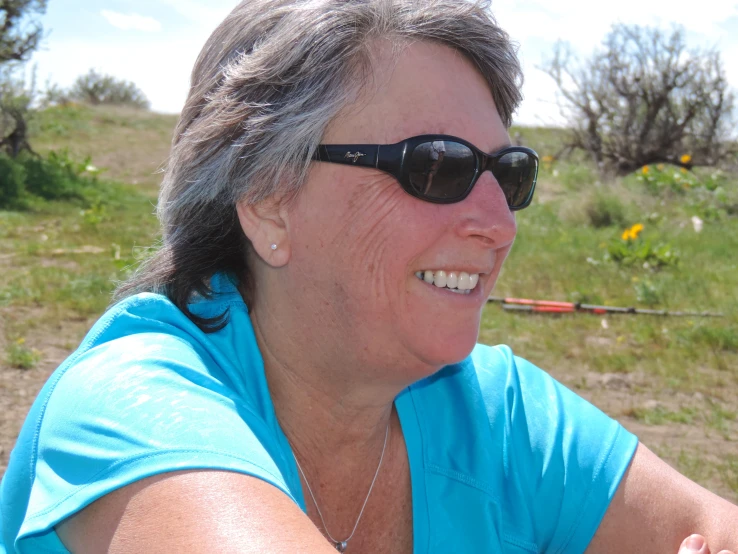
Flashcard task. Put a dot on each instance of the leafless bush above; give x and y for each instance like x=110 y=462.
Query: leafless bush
x=644 y=98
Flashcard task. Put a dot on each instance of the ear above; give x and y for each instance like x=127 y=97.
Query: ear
x=265 y=224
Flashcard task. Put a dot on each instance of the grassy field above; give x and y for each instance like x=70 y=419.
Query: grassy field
x=672 y=380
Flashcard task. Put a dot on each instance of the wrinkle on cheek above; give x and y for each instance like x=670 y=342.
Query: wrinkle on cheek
x=369 y=232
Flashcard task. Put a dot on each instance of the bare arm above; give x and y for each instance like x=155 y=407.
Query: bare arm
x=655 y=507
x=194 y=512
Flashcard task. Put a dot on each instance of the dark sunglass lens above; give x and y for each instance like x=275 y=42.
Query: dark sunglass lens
x=516 y=173
x=441 y=170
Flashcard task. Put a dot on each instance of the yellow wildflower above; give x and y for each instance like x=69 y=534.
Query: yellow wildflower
x=20 y=341
x=547 y=159
x=684 y=170
x=645 y=169
x=685 y=159
x=633 y=232
x=660 y=167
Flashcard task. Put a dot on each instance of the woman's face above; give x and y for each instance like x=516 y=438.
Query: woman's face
x=358 y=240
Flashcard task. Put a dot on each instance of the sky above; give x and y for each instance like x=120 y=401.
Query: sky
x=154 y=43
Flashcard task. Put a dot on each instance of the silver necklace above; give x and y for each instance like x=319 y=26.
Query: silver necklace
x=341 y=545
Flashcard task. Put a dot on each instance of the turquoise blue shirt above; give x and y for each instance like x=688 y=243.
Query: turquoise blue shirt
x=502 y=457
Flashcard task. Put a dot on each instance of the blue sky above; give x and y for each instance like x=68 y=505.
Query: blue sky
x=154 y=43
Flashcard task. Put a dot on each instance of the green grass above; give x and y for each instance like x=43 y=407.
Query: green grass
x=660 y=415
x=19 y=356
x=132 y=145
x=61 y=257
x=563 y=258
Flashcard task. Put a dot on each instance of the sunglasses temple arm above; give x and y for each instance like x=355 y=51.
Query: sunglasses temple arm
x=359 y=155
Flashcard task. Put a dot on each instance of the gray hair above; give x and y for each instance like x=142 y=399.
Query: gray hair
x=266 y=85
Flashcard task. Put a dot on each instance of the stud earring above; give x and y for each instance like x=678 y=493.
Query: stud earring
x=274 y=246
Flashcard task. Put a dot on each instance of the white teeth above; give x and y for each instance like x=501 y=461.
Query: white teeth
x=456 y=281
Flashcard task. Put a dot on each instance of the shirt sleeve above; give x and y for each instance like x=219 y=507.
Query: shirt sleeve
x=563 y=457
x=134 y=407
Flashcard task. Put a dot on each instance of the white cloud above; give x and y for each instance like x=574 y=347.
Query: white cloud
x=133 y=21
x=206 y=13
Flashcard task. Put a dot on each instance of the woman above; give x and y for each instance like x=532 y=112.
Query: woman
x=291 y=372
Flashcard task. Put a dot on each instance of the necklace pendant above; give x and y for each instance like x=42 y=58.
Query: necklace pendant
x=341 y=546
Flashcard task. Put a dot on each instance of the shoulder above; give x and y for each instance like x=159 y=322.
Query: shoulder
x=145 y=393
x=547 y=460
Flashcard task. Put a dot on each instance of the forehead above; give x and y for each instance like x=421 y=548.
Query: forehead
x=423 y=88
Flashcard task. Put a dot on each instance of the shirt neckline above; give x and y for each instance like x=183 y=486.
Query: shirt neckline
x=413 y=442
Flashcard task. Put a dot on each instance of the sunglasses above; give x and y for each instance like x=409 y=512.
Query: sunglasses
x=441 y=168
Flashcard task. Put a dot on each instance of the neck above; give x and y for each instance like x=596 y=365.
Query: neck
x=335 y=411
x=324 y=408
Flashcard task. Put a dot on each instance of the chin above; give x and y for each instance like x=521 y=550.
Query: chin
x=451 y=348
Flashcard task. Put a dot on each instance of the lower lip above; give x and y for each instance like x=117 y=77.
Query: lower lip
x=470 y=298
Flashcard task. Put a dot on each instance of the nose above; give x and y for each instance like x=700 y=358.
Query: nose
x=486 y=215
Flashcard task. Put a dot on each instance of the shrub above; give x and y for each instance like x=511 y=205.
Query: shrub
x=660 y=178
x=630 y=249
x=13 y=193
x=605 y=210
x=56 y=177
x=96 y=88
x=19 y=356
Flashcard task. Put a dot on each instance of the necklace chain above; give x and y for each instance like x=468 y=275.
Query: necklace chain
x=341 y=545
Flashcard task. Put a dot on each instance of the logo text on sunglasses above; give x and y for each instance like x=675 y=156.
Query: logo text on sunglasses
x=355 y=156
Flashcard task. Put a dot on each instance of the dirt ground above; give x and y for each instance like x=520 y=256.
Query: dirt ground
x=19 y=387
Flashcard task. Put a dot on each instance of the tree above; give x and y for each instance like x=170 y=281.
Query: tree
x=644 y=98
x=20 y=33
x=16 y=97
x=95 y=88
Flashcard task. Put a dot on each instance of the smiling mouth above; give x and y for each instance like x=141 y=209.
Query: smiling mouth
x=459 y=282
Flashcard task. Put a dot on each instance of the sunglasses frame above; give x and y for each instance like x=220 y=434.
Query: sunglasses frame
x=391 y=158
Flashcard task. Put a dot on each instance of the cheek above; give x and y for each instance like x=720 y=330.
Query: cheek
x=375 y=240
x=352 y=236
